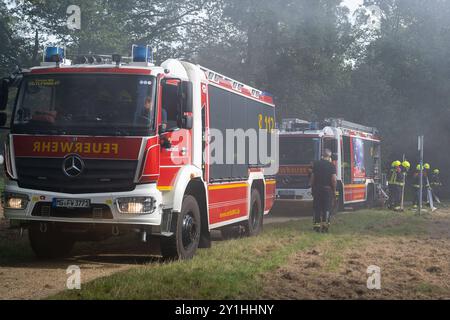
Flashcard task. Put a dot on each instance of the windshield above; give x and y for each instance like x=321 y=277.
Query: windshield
x=299 y=150
x=121 y=105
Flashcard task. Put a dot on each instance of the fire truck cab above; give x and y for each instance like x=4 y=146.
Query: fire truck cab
x=356 y=154
x=108 y=145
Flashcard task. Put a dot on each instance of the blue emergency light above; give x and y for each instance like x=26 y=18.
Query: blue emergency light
x=314 y=125
x=142 y=54
x=52 y=54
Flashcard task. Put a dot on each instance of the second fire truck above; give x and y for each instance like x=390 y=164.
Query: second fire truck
x=356 y=154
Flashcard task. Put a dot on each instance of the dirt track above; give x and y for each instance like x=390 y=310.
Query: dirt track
x=411 y=267
x=23 y=277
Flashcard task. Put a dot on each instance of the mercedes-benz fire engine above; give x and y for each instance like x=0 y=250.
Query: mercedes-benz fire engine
x=110 y=145
x=356 y=154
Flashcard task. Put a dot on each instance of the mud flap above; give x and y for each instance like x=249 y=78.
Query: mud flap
x=168 y=223
x=205 y=240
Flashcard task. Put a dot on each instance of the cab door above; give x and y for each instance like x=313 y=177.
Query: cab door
x=175 y=128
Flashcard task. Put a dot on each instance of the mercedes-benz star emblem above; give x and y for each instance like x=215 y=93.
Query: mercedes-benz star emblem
x=73 y=166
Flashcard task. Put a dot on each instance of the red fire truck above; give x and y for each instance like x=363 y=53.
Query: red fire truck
x=108 y=145
x=356 y=154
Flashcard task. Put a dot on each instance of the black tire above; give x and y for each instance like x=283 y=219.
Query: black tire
x=254 y=225
x=52 y=244
x=184 y=243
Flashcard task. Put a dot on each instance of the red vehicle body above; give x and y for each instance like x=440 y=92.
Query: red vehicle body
x=83 y=165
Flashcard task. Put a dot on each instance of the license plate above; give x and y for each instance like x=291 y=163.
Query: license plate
x=71 y=203
x=286 y=192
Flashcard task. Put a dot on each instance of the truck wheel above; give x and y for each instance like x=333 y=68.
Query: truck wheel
x=254 y=225
x=51 y=244
x=184 y=243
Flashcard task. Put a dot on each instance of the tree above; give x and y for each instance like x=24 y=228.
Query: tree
x=402 y=83
x=175 y=28
x=294 y=49
x=13 y=47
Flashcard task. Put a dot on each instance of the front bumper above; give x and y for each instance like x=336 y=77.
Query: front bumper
x=103 y=199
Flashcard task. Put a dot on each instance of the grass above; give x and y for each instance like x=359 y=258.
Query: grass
x=233 y=269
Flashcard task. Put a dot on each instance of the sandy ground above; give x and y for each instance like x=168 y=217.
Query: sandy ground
x=411 y=268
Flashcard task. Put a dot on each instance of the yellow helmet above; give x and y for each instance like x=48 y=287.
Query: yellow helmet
x=406 y=165
x=396 y=164
x=418 y=167
x=436 y=171
x=427 y=166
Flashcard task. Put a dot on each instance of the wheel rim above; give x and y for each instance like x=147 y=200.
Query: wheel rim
x=189 y=230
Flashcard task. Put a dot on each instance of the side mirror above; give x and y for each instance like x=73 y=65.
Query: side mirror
x=186 y=96
x=3 y=119
x=4 y=88
x=188 y=122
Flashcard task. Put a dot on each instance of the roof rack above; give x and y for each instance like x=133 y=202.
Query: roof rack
x=336 y=122
x=293 y=124
x=96 y=59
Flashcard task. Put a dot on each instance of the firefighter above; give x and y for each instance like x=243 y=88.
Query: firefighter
x=323 y=183
x=406 y=166
x=395 y=185
x=436 y=184
x=416 y=187
x=426 y=181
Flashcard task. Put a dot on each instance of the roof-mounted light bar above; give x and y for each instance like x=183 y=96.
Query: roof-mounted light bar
x=142 y=54
x=55 y=55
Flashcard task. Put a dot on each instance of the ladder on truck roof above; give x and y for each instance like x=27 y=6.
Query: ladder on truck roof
x=350 y=125
x=238 y=86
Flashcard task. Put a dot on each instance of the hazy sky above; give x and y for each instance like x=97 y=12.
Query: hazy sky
x=352 y=4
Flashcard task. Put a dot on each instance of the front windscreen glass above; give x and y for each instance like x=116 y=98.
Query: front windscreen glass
x=299 y=150
x=120 y=105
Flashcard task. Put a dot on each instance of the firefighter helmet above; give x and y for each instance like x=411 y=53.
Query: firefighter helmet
x=418 y=167
x=436 y=171
x=427 y=166
x=396 y=164
x=406 y=165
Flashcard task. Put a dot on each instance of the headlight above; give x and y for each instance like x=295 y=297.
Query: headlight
x=15 y=201
x=136 y=205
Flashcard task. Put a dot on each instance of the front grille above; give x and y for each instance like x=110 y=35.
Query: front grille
x=292 y=182
x=97 y=211
x=99 y=176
